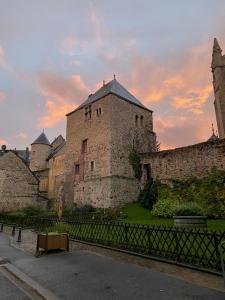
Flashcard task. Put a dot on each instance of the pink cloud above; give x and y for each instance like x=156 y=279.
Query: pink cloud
x=186 y=86
x=2 y=97
x=21 y=135
x=3 y=142
x=62 y=95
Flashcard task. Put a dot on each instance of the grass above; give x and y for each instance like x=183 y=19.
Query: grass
x=139 y=215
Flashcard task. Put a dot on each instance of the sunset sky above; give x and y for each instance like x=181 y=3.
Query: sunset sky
x=53 y=53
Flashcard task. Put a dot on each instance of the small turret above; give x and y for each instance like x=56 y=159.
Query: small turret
x=213 y=137
x=40 y=150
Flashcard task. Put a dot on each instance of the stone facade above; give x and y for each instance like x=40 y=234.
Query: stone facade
x=97 y=170
x=18 y=185
x=39 y=154
x=56 y=174
x=185 y=162
x=47 y=163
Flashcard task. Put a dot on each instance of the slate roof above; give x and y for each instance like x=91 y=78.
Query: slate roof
x=42 y=139
x=22 y=154
x=112 y=87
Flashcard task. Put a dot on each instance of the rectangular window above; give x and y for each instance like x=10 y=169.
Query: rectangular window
x=87 y=112
x=141 y=119
x=92 y=166
x=147 y=170
x=136 y=120
x=77 y=169
x=84 y=146
x=98 y=111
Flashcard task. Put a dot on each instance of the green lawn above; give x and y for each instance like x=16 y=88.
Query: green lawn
x=139 y=215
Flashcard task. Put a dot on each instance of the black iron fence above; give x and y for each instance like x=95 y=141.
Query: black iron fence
x=194 y=247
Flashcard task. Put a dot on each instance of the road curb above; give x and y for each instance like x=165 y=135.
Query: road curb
x=11 y=272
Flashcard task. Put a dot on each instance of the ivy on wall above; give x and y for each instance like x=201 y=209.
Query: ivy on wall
x=135 y=162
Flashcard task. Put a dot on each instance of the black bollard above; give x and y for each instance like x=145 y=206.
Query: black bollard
x=19 y=236
x=13 y=230
x=1 y=230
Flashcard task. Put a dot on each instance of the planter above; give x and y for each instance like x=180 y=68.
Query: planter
x=52 y=241
x=190 y=221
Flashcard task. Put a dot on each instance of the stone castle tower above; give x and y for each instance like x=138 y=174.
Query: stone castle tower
x=40 y=150
x=100 y=135
x=218 y=70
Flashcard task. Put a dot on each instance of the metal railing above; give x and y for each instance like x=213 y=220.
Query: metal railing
x=193 y=247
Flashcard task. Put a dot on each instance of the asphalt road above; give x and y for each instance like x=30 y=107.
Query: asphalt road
x=87 y=276
x=8 y=291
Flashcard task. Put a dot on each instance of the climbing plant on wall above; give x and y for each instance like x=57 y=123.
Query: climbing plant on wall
x=135 y=161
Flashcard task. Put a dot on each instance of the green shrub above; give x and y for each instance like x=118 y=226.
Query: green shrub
x=149 y=194
x=208 y=192
x=165 y=208
x=189 y=209
x=33 y=210
x=135 y=161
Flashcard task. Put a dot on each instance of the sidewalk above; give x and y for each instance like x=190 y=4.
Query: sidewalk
x=85 y=275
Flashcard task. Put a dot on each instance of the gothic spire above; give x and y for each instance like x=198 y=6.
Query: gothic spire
x=217 y=58
x=216 y=46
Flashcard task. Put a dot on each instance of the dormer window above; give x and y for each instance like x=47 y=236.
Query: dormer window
x=87 y=112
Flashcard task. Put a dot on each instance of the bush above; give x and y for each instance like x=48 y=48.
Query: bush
x=189 y=209
x=149 y=194
x=165 y=208
x=135 y=161
x=85 y=208
x=33 y=210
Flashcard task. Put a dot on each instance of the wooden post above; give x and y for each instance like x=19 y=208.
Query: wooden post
x=13 y=230
x=19 y=236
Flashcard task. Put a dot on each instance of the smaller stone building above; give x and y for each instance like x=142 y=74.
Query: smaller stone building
x=18 y=185
x=47 y=163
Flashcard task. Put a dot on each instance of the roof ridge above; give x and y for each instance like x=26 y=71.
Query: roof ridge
x=111 y=87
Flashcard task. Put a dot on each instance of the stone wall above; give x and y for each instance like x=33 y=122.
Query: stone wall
x=56 y=174
x=39 y=154
x=18 y=186
x=97 y=132
x=105 y=177
x=183 y=163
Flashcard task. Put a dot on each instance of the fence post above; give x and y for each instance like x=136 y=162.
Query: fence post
x=149 y=240
x=176 y=243
x=13 y=229
x=126 y=234
x=2 y=227
x=216 y=243
x=19 y=236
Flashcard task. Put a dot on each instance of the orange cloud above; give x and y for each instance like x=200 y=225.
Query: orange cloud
x=190 y=129
x=61 y=96
x=3 y=142
x=186 y=86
